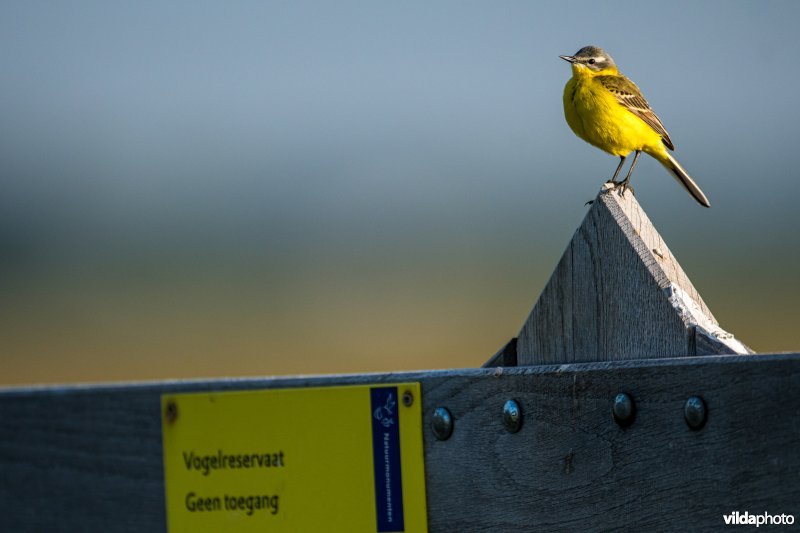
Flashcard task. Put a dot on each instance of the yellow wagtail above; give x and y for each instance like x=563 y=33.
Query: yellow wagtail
x=606 y=109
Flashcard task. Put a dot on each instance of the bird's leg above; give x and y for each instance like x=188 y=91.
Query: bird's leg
x=624 y=185
x=621 y=162
x=612 y=180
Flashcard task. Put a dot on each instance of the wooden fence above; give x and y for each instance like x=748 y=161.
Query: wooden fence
x=637 y=411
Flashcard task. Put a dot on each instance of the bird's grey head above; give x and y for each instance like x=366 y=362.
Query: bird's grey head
x=592 y=57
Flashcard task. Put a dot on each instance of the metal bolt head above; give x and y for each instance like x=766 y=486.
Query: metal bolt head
x=512 y=416
x=171 y=412
x=695 y=413
x=624 y=409
x=408 y=398
x=442 y=423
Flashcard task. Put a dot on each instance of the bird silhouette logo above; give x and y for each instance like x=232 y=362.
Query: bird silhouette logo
x=385 y=413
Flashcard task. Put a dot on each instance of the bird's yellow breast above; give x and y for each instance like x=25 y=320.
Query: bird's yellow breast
x=595 y=115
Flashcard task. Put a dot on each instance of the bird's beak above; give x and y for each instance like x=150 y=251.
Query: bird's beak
x=570 y=59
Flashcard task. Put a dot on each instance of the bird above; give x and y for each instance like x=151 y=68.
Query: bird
x=607 y=110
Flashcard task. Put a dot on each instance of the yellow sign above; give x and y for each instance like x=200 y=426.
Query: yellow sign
x=321 y=459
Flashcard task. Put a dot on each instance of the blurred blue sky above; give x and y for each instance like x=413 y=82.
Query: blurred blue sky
x=362 y=183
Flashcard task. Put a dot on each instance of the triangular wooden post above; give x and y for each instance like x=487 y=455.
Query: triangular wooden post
x=618 y=293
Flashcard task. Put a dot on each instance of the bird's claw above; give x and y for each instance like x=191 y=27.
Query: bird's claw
x=622 y=186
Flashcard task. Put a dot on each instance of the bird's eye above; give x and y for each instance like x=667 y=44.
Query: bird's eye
x=591 y=61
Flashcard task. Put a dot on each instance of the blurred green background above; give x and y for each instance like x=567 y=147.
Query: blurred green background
x=251 y=188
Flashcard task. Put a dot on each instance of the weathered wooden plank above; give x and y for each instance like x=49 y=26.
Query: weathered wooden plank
x=89 y=458
x=505 y=356
x=618 y=292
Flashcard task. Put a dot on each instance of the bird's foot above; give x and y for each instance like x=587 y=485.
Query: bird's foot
x=622 y=186
x=590 y=202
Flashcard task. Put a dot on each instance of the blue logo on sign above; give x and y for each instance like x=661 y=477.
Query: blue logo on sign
x=386 y=459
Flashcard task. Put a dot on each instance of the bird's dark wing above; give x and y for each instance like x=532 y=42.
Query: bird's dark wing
x=629 y=95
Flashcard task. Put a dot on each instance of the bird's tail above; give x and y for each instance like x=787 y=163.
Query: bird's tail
x=677 y=170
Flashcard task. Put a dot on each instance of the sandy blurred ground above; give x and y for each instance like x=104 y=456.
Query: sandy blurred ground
x=350 y=318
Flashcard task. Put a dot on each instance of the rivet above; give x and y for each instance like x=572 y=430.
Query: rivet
x=624 y=409
x=695 y=412
x=408 y=398
x=512 y=416
x=442 y=423
x=171 y=412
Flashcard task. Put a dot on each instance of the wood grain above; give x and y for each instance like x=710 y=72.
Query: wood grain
x=89 y=458
x=618 y=293
x=505 y=356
